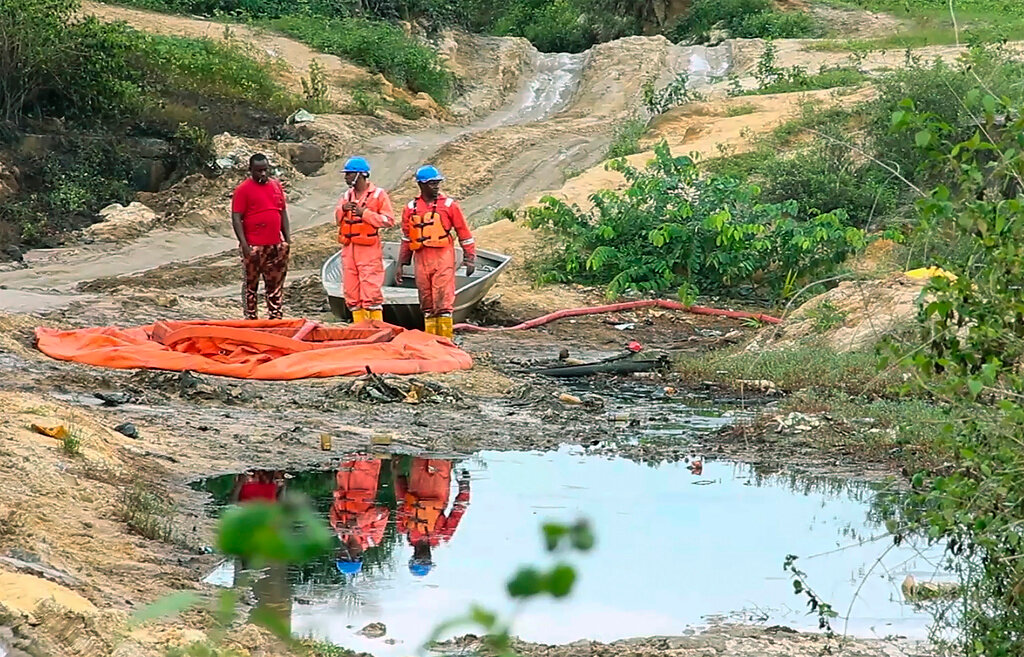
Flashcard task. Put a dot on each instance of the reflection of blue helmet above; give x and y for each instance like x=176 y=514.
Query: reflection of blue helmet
x=357 y=165
x=420 y=568
x=428 y=174
x=349 y=567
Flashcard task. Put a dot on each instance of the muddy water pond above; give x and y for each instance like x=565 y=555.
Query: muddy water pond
x=678 y=547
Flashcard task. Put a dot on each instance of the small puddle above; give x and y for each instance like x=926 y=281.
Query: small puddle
x=676 y=549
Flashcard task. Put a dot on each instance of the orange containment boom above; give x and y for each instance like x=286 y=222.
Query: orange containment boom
x=280 y=349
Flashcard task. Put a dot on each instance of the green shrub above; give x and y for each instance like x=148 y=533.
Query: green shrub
x=626 y=138
x=72 y=183
x=550 y=25
x=937 y=89
x=672 y=227
x=53 y=64
x=211 y=69
x=778 y=25
x=970 y=347
x=825 y=177
x=381 y=47
x=740 y=18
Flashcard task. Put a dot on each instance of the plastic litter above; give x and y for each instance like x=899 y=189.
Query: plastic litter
x=58 y=431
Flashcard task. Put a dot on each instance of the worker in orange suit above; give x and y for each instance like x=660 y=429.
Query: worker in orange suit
x=362 y=211
x=355 y=515
x=427 y=224
x=422 y=500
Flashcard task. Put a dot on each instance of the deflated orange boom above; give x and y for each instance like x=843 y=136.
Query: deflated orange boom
x=281 y=349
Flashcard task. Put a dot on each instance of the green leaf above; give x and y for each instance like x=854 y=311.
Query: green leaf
x=553 y=534
x=923 y=138
x=989 y=103
x=526 y=583
x=582 y=536
x=975 y=386
x=170 y=605
x=560 y=580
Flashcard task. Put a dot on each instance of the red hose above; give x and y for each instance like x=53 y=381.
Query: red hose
x=615 y=307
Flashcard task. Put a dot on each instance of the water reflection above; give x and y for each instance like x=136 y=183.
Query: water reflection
x=270 y=586
x=409 y=553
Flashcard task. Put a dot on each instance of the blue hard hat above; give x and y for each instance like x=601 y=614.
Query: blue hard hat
x=349 y=567
x=420 y=568
x=428 y=173
x=357 y=165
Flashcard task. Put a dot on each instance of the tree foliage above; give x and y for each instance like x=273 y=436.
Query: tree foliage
x=672 y=227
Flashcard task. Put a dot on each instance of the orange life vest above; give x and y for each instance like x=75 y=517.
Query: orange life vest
x=423 y=515
x=429 y=230
x=352 y=229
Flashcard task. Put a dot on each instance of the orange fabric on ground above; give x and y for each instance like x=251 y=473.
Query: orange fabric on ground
x=257 y=349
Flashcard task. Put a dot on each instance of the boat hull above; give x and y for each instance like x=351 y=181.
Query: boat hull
x=401 y=302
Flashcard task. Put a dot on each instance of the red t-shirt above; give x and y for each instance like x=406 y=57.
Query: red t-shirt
x=260 y=207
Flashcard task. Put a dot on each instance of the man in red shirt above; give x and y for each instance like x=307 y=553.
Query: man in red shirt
x=260 y=218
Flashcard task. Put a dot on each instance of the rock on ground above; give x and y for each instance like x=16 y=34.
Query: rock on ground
x=118 y=222
x=8 y=180
x=720 y=641
x=863 y=312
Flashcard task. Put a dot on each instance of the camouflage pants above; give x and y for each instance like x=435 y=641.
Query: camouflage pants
x=271 y=263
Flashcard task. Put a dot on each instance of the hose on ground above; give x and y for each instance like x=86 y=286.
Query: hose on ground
x=618 y=307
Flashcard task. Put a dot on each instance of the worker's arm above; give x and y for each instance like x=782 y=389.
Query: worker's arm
x=243 y=244
x=381 y=217
x=446 y=525
x=237 y=212
x=286 y=230
x=404 y=252
x=465 y=238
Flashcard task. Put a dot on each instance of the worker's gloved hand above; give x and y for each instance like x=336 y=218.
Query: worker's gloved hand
x=470 y=266
x=399 y=274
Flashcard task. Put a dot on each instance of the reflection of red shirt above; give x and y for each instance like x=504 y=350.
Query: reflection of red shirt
x=260 y=207
x=255 y=490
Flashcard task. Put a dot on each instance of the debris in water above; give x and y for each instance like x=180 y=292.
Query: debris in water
x=58 y=431
x=571 y=400
x=374 y=630
x=127 y=429
x=915 y=591
x=758 y=385
x=325 y=442
x=796 y=423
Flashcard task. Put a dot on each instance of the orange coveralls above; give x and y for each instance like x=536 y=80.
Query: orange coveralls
x=355 y=511
x=435 y=265
x=422 y=500
x=361 y=257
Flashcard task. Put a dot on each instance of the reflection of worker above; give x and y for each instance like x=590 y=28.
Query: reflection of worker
x=356 y=517
x=260 y=218
x=270 y=586
x=422 y=500
x=362 y=211
x=427 y=222
x=259 y=485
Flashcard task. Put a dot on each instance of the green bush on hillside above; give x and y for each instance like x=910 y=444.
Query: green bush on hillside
x=673 y=227
x=381 y=47
x=741 y=18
